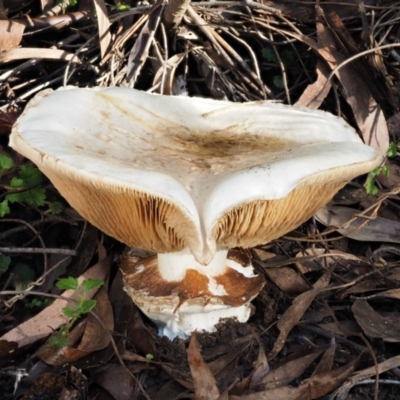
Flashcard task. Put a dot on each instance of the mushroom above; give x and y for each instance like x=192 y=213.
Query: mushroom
x=189 y=179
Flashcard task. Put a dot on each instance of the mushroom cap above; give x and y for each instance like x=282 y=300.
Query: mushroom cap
x=164 y=173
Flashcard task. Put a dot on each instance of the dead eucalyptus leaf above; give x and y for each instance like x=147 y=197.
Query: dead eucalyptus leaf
x=289 y=371
x=205 y=387
x=373 y=324
x=10 y=34
x=21 y=53
x=316 y=92
x=295 y=312
x=51 y=318
x=103 y=26
x=374 y=230
x=165 y=76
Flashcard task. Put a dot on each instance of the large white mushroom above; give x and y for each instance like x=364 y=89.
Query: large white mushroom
x=189 y=179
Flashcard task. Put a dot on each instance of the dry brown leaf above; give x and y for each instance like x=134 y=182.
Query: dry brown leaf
x=117 y=381
x=104 y=26
x=393 y=177
x=367 y=113
x=288 y=280
x=95 y=337
x=373 y=324
x=261 y=366
x=312 y=388
x=51 y=318
x=382 y=367
x=375 y=230
x=165 y=75
x=326 y=362
x=366 y=285
x=205 y=387
x=22 y=53
x=289 y=371
x=315 y=93
x=140 y=50
x=10 y=34
x=295 y=312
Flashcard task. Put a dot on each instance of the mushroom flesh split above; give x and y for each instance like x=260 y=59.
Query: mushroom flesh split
x=189 y=179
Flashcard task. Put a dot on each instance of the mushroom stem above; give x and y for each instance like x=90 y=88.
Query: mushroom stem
x=180 y=295
x=173 y=266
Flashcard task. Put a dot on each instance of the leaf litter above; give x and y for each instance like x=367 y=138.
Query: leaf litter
x=327 y=319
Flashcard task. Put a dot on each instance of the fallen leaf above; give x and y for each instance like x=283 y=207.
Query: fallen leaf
x=316 y=92
x=22 y=53
x=51 y=318
x=367 y=113
x=205 y=387
x=288 y=280
x=117 y=381
x=295 y=312
x=164 y=78
x=103 y=26
x=10 y=34
x=289 y=371
x=326 y=362
x=377 y=230
x=373 y=324
x=140 y=50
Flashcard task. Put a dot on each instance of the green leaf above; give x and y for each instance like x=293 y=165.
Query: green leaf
x=392 y=150
x=25 y=273
x=55 y=207
x=58 y=341
x=89 y=284
x=86 y=306
x=68 y=283
x=123 y=7
x=4 y=208
x=36 y=197
x=268 y=54
x=278 y=82
x=70 y=313
x=385 y=170
x=149 y=356
x=370 y=186
x=30 y=175
x=5 y=162
x=5 y=262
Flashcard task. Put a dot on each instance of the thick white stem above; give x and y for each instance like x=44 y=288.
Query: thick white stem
x=173 y=266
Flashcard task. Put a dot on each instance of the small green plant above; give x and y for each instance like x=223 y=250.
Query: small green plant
x=82 y=306
x=370 y=185
x=123 y=7
x=393 y=149
x=24 y=187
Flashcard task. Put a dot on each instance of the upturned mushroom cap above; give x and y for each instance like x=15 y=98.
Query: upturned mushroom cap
x=164 y=173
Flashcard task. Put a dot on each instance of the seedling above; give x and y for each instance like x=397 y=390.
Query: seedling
x=82 y=306
x=24 y=187
x=370 y=185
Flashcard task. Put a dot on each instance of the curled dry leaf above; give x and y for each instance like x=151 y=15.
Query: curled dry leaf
x=165 y=76
x=104 y=26
x=95 y=336
x=313 y=388
x=22 y=53
x=295 y=312
x=375 y=230
x=51 y=318
x=204 y=383
x=316 y=92
x=289 y=371
x=373 y=324
x=117 y=381
x=367 y=113
x=288 y=280
x=10 y=34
